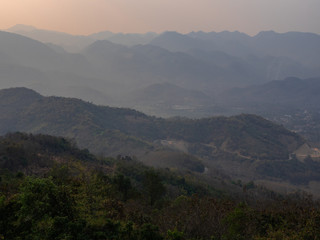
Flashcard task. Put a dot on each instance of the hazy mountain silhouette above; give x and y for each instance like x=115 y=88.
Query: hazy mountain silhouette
x=302 y=48
x=76 y=43
x=177 y=42
x=232 y=43
x=30 y=63
x=22 y=28
x=131 y=39
x=142 y=65
x=101 y=35
x=291 y=93
x=107 y=73
x=28 y=52
x=256 y=69
x=57 y=48
x=69 y=42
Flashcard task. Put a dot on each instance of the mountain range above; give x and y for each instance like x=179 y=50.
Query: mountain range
x=207 y=62
x=159 y=135
x=107 y=72
x=169 y=74
x=198 y=74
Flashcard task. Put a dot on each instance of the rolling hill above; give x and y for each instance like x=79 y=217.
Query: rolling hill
x=237 y=145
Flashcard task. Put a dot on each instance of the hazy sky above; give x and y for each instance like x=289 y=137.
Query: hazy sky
x=89 y=16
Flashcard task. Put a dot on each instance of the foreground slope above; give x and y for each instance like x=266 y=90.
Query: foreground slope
x=49 y=189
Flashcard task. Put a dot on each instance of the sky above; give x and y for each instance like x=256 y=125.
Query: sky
x=89 y=16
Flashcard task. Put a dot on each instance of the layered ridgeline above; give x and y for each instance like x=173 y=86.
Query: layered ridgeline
x=172 y=74
x=107 y=72
x=245 y=146
x=291 y=94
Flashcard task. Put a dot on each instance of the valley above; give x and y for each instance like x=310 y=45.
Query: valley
x=245 y=147
x=191 y=79
x=159 y=120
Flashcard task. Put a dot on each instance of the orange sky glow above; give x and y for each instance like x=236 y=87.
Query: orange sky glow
x=89 y=16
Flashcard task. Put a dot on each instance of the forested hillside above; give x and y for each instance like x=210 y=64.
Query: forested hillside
x=245 y=147
x=249 y=135
x=49 y=189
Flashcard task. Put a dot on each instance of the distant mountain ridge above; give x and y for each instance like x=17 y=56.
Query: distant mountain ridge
x=291 y=92
x=69 y=42
x=76 y=43
x=301 y=47
x=28 y=52
x=209 y=63
x=296 y=45
x=106 y=73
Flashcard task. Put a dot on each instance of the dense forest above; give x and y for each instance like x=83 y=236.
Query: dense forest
x=50 y=189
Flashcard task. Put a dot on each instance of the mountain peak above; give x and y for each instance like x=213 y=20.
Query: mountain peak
x=19 y=91
x=22 y=27
x=172 y=34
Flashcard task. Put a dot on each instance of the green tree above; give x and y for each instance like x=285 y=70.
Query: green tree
x=174 y=235
x=153 y=186
x=123 y=185
x=149 y=232
x=240 y=223
x=43 y=205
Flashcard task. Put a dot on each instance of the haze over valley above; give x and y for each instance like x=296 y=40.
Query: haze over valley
x=170 y=74
x=160 y=124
